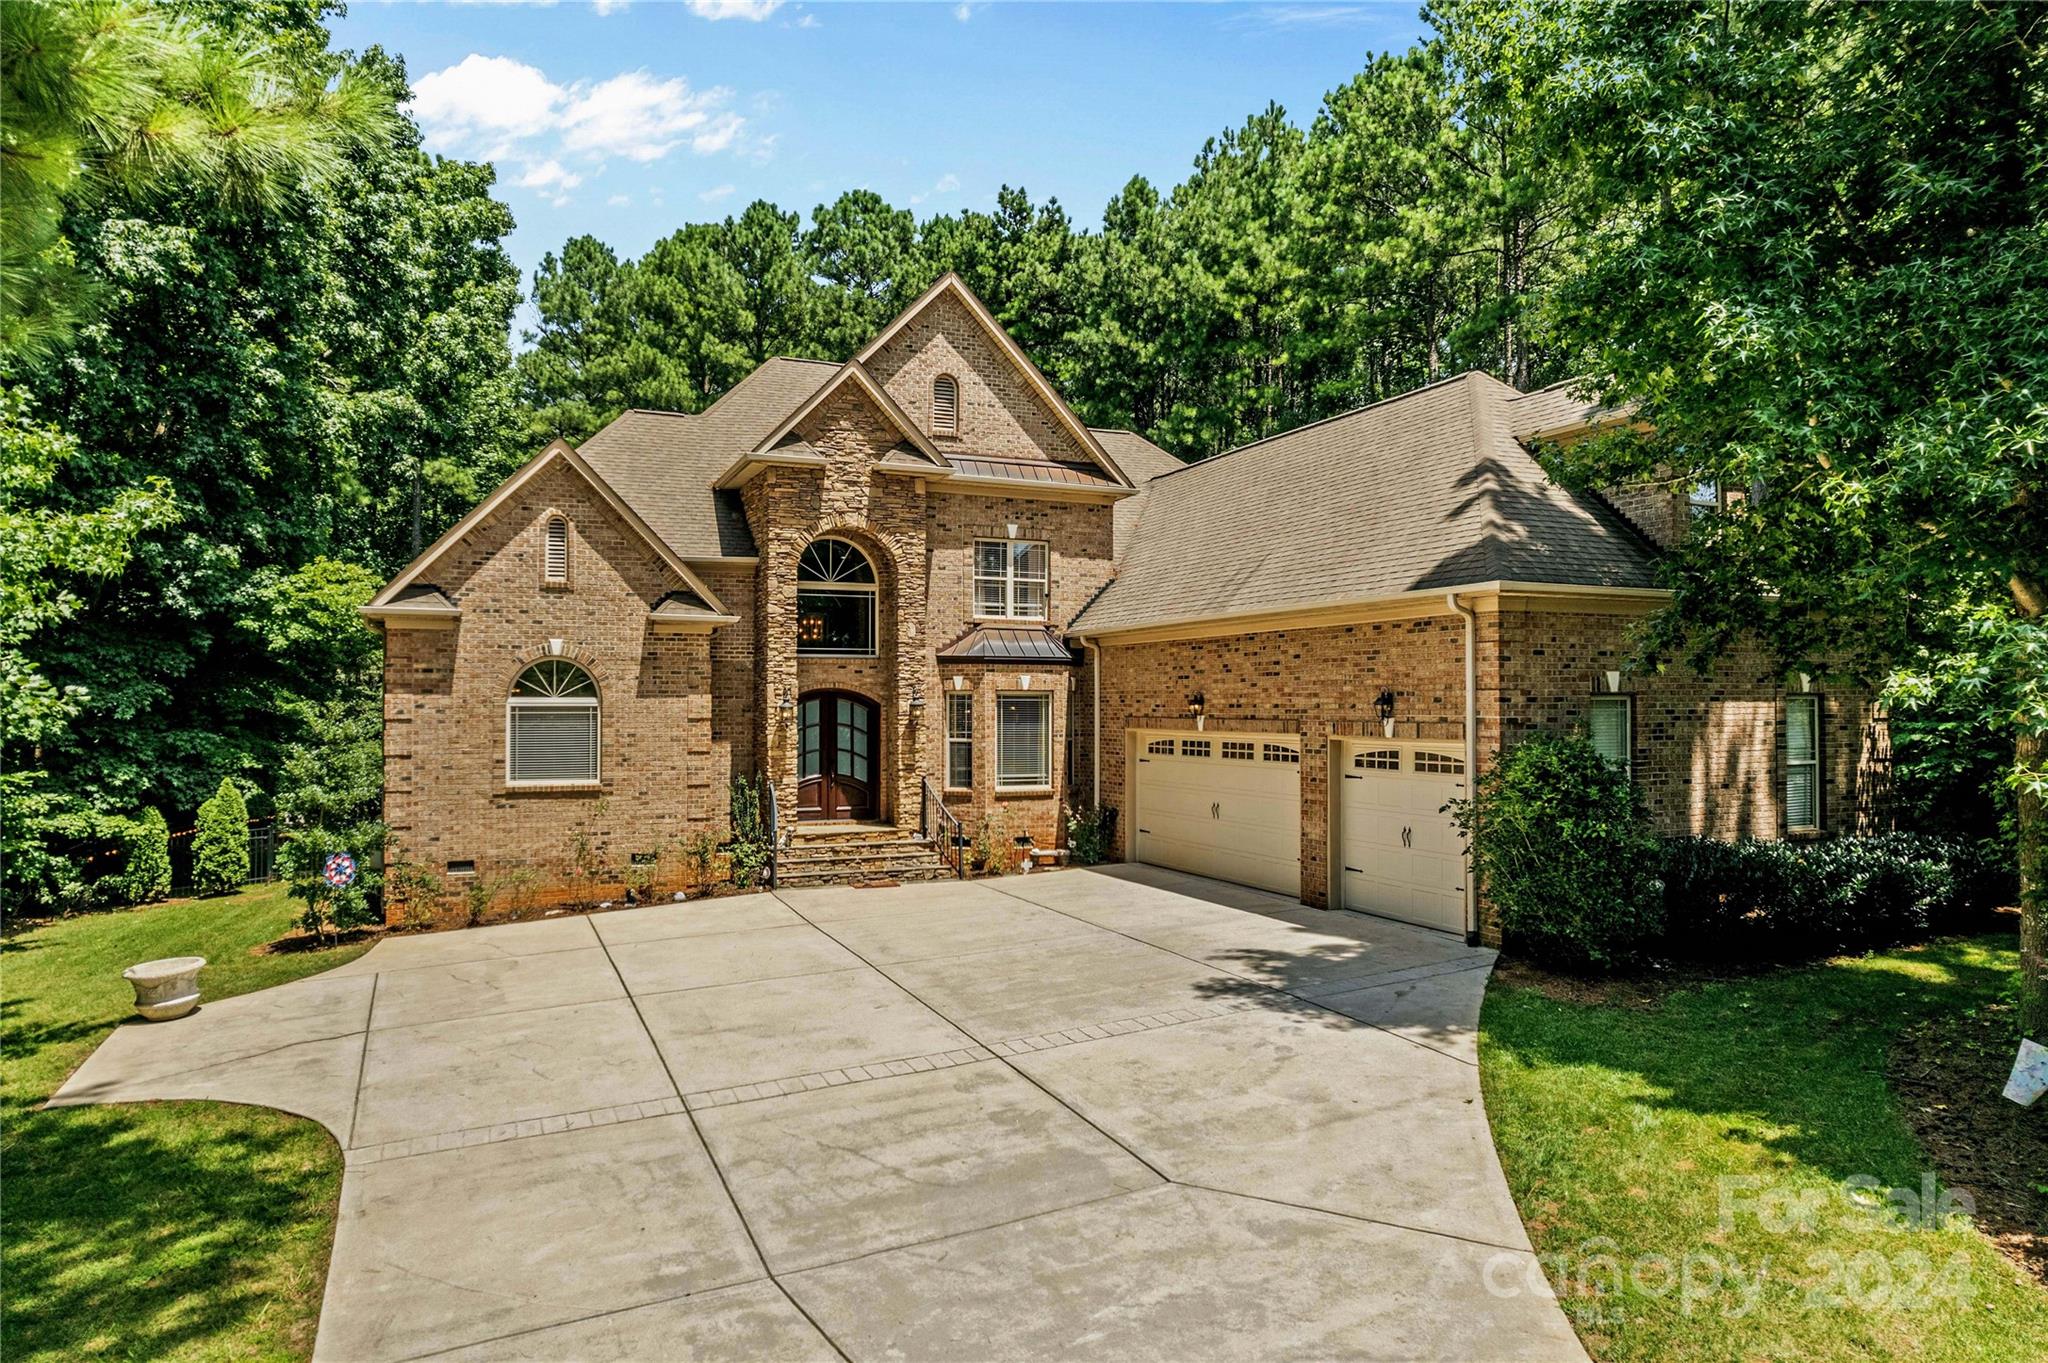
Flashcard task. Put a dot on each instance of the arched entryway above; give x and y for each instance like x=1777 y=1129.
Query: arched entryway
x=838 y=756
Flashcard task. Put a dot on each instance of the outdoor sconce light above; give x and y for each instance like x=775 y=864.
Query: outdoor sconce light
x=788 y=702
x=1195 y=706
x=1384 y=703
x=917 y=696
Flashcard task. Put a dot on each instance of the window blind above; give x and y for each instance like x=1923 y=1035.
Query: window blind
x=1023 y=747
x=1802 y=762
x=1607 y=726
x=553 y=743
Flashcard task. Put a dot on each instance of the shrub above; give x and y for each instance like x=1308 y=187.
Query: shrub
x=146 y=869
x=220 y=844
x=1089 y=834
x=992 y=843
x=700 y=851
x=1564 y=854
x=1749 y=900
x=749 y=846
x=415 y=892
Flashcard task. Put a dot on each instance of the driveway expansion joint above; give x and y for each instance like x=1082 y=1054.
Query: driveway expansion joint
x=851 y=1074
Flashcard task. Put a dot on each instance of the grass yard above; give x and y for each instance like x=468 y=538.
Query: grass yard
x=175 y=1231
x=1626 y=1125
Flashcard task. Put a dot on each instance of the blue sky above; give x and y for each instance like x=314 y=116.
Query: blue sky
x=628 y=118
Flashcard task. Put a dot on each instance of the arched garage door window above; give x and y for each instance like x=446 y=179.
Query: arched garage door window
x=551 y=726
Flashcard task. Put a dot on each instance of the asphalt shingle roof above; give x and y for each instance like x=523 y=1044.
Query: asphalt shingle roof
x=664 y=463
x=1427 y=490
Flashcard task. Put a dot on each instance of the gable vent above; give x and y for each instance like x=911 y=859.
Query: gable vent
x=558 y=549
x=945 y=405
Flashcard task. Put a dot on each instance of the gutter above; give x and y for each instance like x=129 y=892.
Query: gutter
x=1471 y=748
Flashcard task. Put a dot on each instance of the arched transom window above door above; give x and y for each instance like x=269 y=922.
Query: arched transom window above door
x=835 y=600
x=551 y=726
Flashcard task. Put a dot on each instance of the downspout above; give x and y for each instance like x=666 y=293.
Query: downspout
x=1094 y=723
x=1471 y=747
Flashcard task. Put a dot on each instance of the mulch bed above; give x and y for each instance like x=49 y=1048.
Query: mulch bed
x=1948 y=1074
x=1643 y=988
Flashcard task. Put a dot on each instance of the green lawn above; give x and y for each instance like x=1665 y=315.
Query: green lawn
x=174 y=1231
x=1625 y=1128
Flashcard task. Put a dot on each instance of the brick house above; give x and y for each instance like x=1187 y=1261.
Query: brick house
x=918 y=580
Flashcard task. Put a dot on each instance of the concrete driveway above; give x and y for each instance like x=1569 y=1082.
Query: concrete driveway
x=1112 y=1114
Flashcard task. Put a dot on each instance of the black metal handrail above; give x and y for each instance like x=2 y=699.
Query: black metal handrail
x=774 y=813
x=932 y=815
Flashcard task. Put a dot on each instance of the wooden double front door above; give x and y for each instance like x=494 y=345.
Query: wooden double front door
x=838 y=754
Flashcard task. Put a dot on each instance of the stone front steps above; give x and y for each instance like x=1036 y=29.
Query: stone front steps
x=846 y=855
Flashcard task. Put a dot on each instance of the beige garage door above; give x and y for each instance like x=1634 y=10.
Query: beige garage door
x=1222 y=805
x=1401 y=856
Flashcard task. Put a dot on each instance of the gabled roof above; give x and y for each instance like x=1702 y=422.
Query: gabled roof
x=665 y=463
x=951 y=285
x=1426 y=491
x=852 y=373
x=1142 y=461
x=1558 y=410
x=397 y=597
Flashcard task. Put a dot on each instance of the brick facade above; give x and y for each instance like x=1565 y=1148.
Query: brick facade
x=447 y=799
x=1708 y=753
x=682 y=714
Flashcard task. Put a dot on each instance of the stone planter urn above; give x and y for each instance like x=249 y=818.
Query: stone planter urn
x=166 y=989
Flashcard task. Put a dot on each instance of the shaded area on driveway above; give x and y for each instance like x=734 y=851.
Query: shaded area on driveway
x=1121 y=1114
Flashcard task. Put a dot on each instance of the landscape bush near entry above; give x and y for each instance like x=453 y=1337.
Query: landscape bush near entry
x=1565 y=853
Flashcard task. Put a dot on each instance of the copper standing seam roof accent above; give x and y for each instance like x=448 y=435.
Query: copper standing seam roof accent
x=1003 y=643
x=1031 y=470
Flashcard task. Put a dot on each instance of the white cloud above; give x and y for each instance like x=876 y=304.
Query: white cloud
x=498 y=109
x=640 y=118
x=963 y=12
x=717 y=192
x=484 y=96
x=549 y=174
x=618 y=201
x=808 y=21
x=753 y=11
x=605 y=7
x=949 y=183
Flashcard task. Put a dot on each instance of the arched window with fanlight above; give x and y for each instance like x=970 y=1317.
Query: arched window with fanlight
x=551 y=726
x=835 y=600
x=945 y=405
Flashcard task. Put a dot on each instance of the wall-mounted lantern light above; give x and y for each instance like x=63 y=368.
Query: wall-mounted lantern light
x=1196 y=706
x=1384 y=704
x=917 y=695
x=788 y=705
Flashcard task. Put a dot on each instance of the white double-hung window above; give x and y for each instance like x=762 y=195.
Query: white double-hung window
x=1011 y=578
x=959 y=740
x=1802 y=762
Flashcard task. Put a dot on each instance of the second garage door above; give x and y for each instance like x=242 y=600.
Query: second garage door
x=1401 y=855
x=1221 y=805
